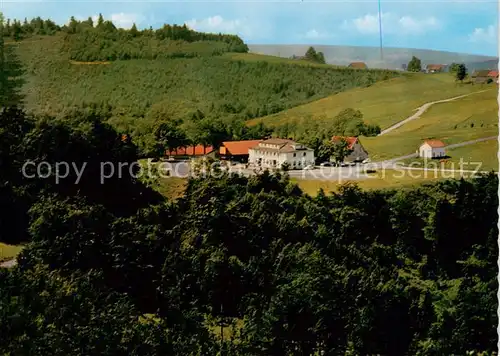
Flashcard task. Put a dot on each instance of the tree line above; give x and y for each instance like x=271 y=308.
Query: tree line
x=17 y=30
x=312 y=56
x=86 y=42
x=103 y=41
x=459 y=70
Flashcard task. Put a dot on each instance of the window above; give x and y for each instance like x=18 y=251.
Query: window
x=295 y=155
x=304 y=154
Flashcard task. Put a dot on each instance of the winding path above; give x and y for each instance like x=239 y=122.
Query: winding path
x=422 y=109
x=9 y=263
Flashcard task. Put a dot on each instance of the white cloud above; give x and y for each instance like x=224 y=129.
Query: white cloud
x=316 y=35
x=392 y=24
x=484 y=35
x=216 y=24
x=123 y=20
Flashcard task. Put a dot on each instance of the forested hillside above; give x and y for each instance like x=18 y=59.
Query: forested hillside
x=146 y=78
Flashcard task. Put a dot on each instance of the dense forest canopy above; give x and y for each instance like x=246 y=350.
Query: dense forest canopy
x=237 y=265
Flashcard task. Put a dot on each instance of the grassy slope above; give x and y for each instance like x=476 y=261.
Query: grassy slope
x=485 y=153
x=9 y=251
x=384 y=103
x=481 y=156
x=450 y=122
x=172 y=187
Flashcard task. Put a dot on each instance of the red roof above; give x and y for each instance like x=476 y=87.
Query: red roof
x=493 y=73
x=236 y=148
x=351 y=141
x=190 y=151
x=435 y=143
x=435 y=66
x=358 y=65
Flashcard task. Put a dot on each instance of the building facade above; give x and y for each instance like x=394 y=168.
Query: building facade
x=358 y=152
x=480 y=76
x=432 y=149
x=435 y=68
x=274 y=152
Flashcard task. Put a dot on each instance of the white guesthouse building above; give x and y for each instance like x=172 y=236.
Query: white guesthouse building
x=272 y=153
x=432 y=149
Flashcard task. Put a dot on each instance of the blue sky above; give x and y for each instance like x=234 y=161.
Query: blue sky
x=458 y=26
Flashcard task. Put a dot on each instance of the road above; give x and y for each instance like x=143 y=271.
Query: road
x=421 y=110
x=182 y=169
x=8 y=263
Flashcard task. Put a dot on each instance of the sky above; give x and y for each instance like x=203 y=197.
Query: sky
x=466 y=26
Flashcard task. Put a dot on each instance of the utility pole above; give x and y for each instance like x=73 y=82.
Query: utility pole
x=380 y=30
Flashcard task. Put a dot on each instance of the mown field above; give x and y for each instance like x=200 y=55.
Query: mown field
x=173 y=187
x=481 y=156
x=465 y=119
x=8 y=251
x=384 y=103
x=483 y=153
x=382 y=179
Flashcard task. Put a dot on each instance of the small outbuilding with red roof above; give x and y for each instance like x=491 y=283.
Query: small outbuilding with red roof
x=432 y=148
x=358 y=153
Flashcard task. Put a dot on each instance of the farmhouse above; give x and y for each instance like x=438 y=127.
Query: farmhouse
x=432 y=149
x=358 y=153
x=493 y=74
x=274 y=152
x=236 y=150
x=358 y=65
x=480 y=76
x=435 y=68
x=193 y=151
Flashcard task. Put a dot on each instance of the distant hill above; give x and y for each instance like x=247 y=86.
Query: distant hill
x=394 y=58
x=490 y=64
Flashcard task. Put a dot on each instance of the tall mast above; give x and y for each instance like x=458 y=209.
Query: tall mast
x=380 y=30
